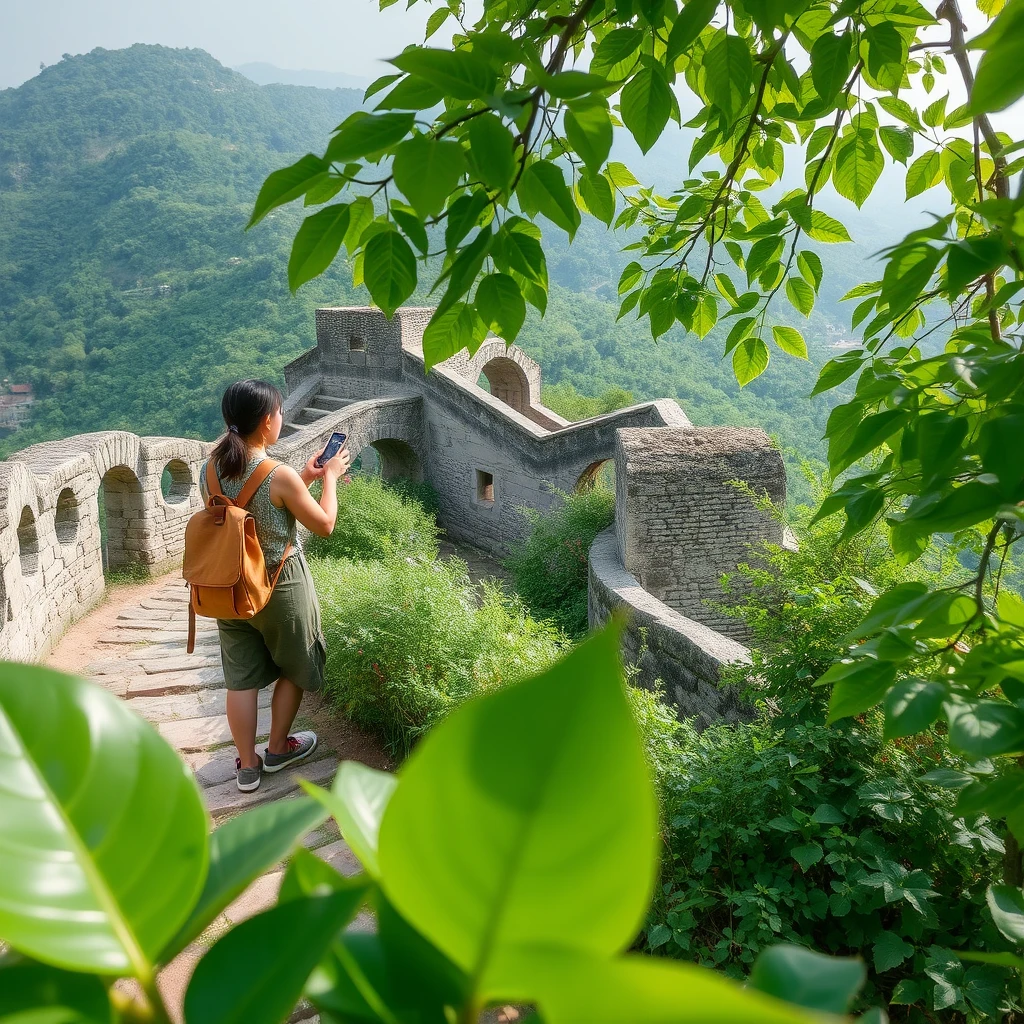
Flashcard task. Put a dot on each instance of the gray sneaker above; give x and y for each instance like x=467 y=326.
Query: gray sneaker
x=248 y=779
x=300 y=746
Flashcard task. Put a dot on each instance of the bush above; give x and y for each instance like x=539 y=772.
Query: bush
x=828 y=839
x=410 y=638
x=567 y=402
x=378 y=520
x=549 y=569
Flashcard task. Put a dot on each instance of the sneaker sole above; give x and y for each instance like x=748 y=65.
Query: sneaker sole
x=248 y=787
x=292 y=760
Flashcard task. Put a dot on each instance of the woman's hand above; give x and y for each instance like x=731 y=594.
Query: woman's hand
x=311 y=471
x=339 y=465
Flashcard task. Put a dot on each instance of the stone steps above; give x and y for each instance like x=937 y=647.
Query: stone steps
x=190 y=704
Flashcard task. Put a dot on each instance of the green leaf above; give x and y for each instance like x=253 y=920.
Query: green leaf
x=831 y=64
x=451 y=330
x=436 y=20
x=998 y=81
x=542 y=189
x=491 y=151
x=389 y=269
x=898 y=141
x=911 y=707
x=749 y=360
x=519 y=249
x=351 y=983
x=32 y=993
x=92 y=792
x=324 y=191
x=890 y=950
x=501 y=306
x=571 y=986
x=923 y=173
x=308 y=875
x=364 y=134
x=837 y=370
x=242 y=848
x=597 y=196
x=518 y=807
x=729 y=73
x=1006 y=904
x=378 y=84
x=705 y=316
x=255 y=974
x=790 y=340
x=809 y=265
x=858 y=686
x=986 y=728
x=872 y=432
x=361 y=216
x=411 y=225
x=461 y=74
x=428 y=171
x=645 y=106
x=801 y=295
x=820 y=226
x=287 y=184
x=695 y=16
x=412 y=93
x=612 y=56
x=356 y=801
x=858 y=165
x=317 y=243
x=967 y=505
x=825 y=984
x=807 y=855
x=589 y=130
x=935 y=113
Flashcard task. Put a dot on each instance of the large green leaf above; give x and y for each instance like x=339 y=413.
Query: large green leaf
x=690 y=22
x=573 y=986
x=317 y=242
x=729 y=72
x=519 y=808
x=826 y=984
x=242 y=848
x=451 y=330
x=365 y=134
x=256 y=972
x=389 y=269
x=645 y=106
x=999 y=82
x=857 y=686
x=1006 y=903
x=462 y=74
x=790 y=340
x=33 y=993
x=501 y=305
x=491 y=151
x=749 y=360
x=287 y=184
x=95 y=806
x=357 y=801
x=427 y=171
x=588 y=128
x=542 y=189
x=831 y=63
x=858 y=165
x=923 y=173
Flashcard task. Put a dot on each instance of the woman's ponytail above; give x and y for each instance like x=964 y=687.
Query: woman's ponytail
x=244 y=405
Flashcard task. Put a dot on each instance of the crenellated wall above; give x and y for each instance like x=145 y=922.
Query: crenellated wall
x=51 y=550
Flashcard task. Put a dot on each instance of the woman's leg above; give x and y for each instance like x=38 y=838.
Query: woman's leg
x=241 y=709
x=284 y=706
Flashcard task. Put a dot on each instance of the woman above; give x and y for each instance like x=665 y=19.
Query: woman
x=284 y=641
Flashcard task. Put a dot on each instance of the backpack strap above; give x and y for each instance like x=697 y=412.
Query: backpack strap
x=258 y=475
x=191 y=646
x=212 y=481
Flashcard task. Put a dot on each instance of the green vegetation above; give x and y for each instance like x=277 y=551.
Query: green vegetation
x=549 y=569
x=564 y=399
x=409 y=637
x=479 y=861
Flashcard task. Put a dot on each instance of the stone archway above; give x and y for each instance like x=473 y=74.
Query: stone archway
x=600 y=473
x=121 y=515
x=391 y=459
x=508 y=382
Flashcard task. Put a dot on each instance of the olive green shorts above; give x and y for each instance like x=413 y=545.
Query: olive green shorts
x=284 y=639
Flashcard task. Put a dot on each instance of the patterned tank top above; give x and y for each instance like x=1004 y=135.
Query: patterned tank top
x=275 y=527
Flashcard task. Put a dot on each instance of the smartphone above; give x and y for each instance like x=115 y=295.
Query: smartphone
x=332 y=449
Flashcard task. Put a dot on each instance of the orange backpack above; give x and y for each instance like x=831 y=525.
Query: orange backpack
x=224 y=564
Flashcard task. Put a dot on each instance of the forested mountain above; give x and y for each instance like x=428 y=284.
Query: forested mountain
x=130 y=293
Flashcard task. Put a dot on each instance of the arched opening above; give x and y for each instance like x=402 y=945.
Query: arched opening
x=507 y=382
x=176 y=482
x=390 y=459
x=67 y=516
x=120 y=508
x=597 y=474
x=28 y=542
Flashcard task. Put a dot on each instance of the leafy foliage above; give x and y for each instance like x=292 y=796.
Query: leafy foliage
x=549 y=568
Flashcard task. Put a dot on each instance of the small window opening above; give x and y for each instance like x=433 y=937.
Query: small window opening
x=484 y=486
x=356 y=344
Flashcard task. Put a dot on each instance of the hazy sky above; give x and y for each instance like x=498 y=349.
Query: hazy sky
x=352 y=36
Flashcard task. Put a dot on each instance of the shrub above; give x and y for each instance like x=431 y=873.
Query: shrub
x=566 y=401
x=410 y=638
x=377 y=520
x=549 y=569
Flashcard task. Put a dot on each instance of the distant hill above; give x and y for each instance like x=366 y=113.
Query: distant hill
x=267 y=74
x=130 y=293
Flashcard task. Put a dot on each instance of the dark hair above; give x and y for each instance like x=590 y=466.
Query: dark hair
x=244 y=404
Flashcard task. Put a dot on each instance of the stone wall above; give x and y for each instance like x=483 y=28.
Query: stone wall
x=51 y=557
x=682 y=657
x=681 y=521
